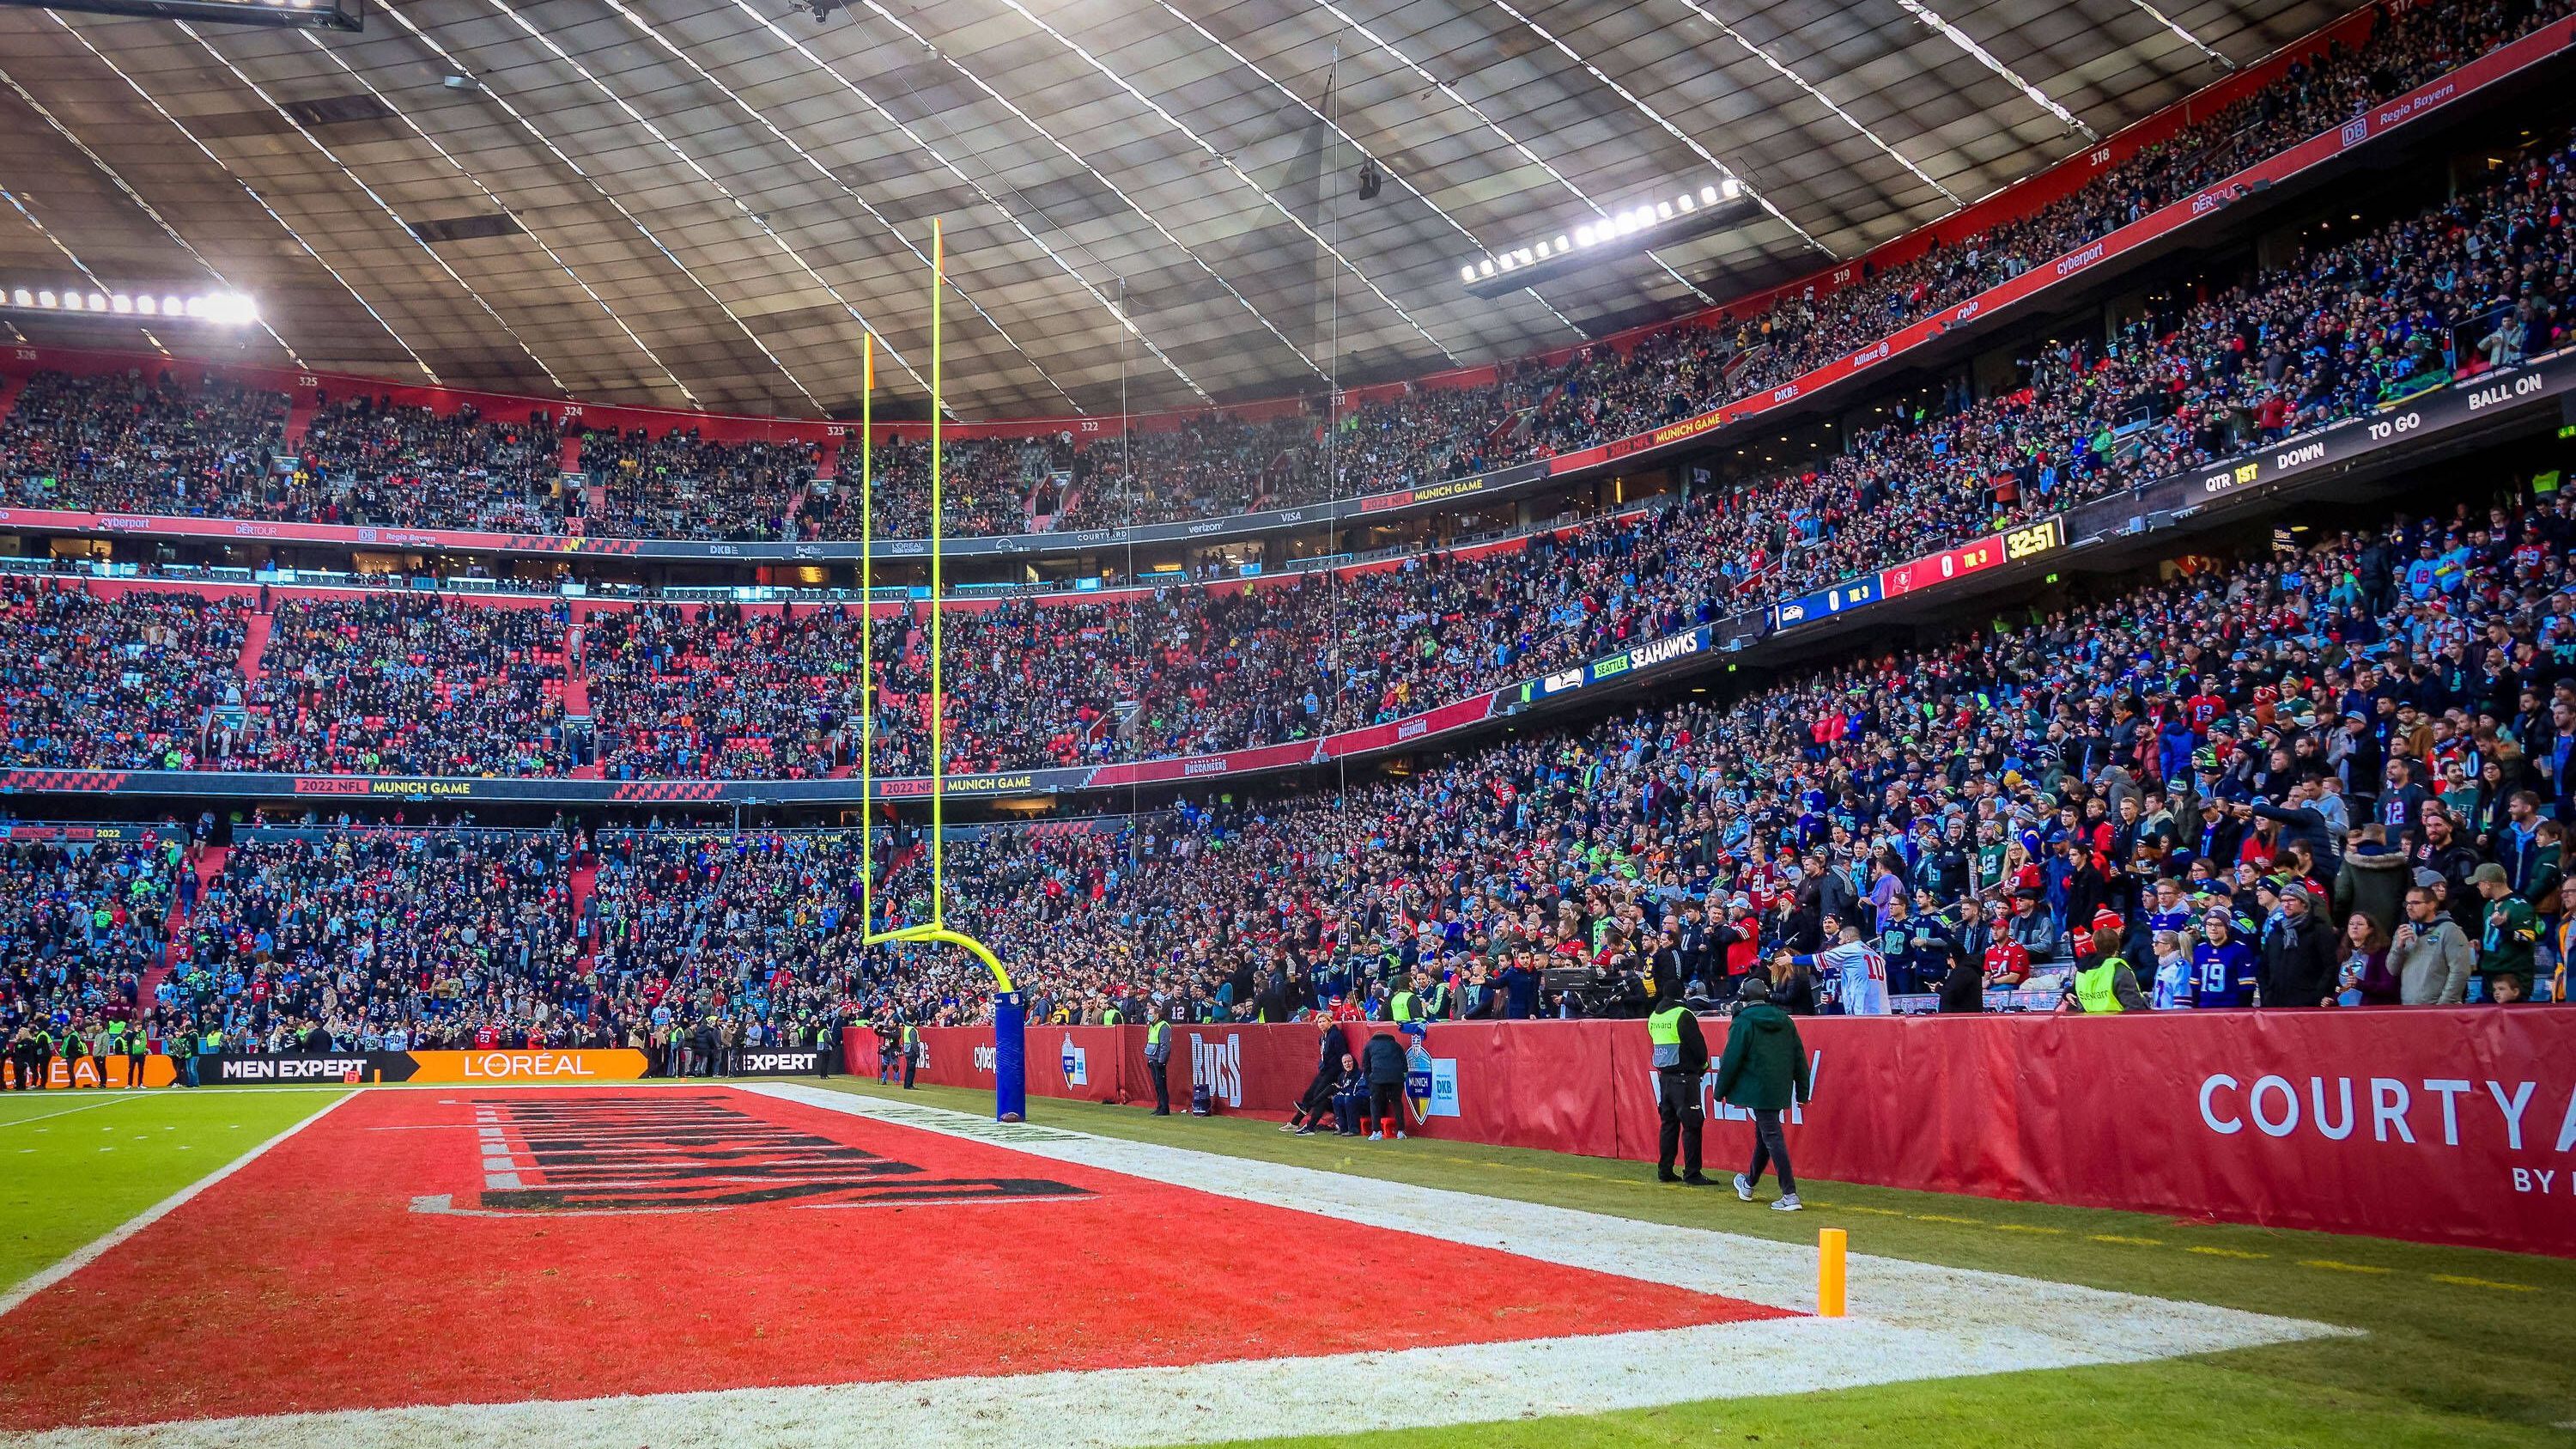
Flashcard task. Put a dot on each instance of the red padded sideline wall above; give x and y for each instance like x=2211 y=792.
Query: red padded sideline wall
x=2440 y=1125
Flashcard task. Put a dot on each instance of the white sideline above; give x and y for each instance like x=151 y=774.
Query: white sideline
x=1911 y=1321
x=93 y=1251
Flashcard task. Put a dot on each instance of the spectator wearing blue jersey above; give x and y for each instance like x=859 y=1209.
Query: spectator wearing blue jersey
x=2223 y=967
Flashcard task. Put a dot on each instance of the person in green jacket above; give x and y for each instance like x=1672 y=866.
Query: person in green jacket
x=1763 y=1070
x=2504 y=950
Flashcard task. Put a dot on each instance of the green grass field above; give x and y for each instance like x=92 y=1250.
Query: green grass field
x=2464 y=1348
x=75 y=1165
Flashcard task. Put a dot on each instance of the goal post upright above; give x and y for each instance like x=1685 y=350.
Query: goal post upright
x=1010 y=1030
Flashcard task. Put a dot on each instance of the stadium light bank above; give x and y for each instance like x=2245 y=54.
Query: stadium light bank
x=1714 y=207
x=218 y=309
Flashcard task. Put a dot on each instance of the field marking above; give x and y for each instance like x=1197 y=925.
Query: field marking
x=67 y=1111
x=2457 y=1281
x=1911 y=1321
x=91 y=1252
x=1126 y=1408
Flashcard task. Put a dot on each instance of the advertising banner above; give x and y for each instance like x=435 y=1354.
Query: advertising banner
x=563 y=1068
x=2440 y=1125
x=779 y=1062
x=64 y=1074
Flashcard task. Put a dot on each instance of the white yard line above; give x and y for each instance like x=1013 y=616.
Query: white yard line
x=67 y=1111
x=1121 y=1408
x=92 y=1252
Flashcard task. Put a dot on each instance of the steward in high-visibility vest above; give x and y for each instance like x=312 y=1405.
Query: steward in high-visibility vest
x=1681 y=1059
x=1158 y=1059
x=2106 y=986
x=1406 y=1002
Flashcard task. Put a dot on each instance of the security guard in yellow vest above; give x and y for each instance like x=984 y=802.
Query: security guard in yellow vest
x=1681 y=1059
x=1158 y=1058
x=911 y=1053
x=1405 y=1002
x=2103 y=982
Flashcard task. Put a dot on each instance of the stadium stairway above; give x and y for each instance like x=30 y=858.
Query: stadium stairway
x=255 y=645
x=210 y=863
x=299 y=416
x=10 y=387
x=583 y=880
x=576 y=691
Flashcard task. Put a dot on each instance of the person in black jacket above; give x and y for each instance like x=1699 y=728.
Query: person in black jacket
x=1963 y=985
x=1318 y=1100
x=1681 y=1059
x=1382 y=1060
x=1794 y=992
x=2299 y=955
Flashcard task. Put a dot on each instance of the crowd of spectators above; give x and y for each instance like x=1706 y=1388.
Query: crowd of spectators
x=82 y=923
x=2330 y=774
x=681 y=485
x=715 y=691
x=121 y=442
x=384 y=940
x=138 y=681
x=407 y=685
x=2334 y=773
x=692 y=948
x=712 y=942
x=373 y=461
x=127 y=444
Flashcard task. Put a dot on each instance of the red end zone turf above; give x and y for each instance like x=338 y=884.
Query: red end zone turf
x=435 y=1247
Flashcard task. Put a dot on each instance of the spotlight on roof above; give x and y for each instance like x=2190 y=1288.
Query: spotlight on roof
x=1716 y=206
x=215 y=309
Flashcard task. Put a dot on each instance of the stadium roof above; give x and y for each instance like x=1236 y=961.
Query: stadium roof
x=704 y=201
